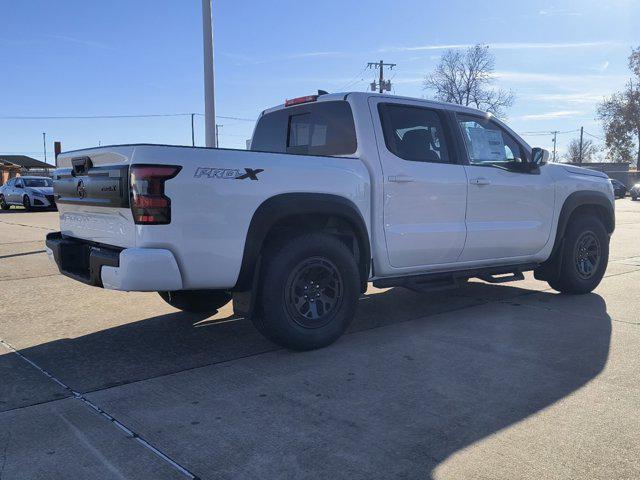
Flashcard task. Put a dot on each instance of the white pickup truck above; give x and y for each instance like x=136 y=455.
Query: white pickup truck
x=339 y=190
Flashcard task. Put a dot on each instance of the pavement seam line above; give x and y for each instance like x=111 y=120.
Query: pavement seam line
x=24 y=225
x=79 y=396
x=22 y=254
x=29 y=278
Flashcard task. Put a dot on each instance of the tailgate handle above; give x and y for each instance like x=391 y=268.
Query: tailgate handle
x=81 y=165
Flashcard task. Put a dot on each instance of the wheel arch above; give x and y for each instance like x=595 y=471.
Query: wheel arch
x=577 y=203
x=284 y=213
x=584 y=202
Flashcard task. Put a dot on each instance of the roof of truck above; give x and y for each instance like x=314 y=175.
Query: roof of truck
x=343 y=96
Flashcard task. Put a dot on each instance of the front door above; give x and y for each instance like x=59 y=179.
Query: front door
x=425 y=186
x=509 y=210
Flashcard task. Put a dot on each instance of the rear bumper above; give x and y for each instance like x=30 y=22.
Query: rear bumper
x=129 y=269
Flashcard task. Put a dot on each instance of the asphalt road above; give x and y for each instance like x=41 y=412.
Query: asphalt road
x=489 y=381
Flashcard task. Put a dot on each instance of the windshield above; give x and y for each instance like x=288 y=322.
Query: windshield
x=38 y=182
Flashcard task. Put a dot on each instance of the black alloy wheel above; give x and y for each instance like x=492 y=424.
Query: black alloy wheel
x=313 y=292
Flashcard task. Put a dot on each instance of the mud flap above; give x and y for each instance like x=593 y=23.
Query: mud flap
x=244 y=302
x=549 y=271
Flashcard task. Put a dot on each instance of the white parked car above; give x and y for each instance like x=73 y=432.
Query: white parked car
x=339 y=190
x=27 y=191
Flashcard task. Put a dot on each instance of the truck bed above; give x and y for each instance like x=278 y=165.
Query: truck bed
x=213 y=199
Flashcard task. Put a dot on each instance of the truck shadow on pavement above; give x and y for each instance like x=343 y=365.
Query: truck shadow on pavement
x=380 y=403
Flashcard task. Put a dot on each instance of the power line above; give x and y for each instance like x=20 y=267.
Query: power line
x=355 y=79
x=551 y=132
x=594 y=136
x=89 y=117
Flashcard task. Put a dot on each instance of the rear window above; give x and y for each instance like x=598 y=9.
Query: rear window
x=323 y=128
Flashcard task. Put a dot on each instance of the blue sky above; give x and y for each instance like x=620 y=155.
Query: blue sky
x=83 y=58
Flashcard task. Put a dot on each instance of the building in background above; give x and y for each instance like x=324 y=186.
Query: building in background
x=15 y=165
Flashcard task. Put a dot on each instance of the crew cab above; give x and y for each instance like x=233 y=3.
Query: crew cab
x=338 y=191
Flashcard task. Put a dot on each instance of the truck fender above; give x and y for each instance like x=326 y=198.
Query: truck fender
x=549 y=270
x=279 y=207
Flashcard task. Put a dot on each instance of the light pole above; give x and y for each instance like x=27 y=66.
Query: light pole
x=44 y=145
x=209 y=79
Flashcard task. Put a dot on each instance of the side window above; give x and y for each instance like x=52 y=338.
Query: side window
x=18 y=183
x=488 y=143
x=414 y=133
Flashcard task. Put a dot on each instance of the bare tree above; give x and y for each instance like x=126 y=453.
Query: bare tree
x=466 y=77
x=620 y=116
x=589 y=151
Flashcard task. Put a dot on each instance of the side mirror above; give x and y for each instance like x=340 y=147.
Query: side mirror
x=539 y=156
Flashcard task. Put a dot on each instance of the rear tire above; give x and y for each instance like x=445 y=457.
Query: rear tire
x=26 y=203
x=634 y=197
x=310 y=287
x=3 y=204
x=584 y=257
x=196 y=301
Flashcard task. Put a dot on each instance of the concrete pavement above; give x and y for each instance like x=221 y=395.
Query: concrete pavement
x=508 y=381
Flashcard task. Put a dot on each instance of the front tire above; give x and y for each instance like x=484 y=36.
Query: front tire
x=584 y=257
x=26 y=203
x=310 y=287
x=3 y=203
x=196 y=301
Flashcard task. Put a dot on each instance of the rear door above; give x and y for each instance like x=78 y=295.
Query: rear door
x=424 y=183
x=509 y=208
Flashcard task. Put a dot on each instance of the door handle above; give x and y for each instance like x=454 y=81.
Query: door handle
x=401 y=179
x=480 y=181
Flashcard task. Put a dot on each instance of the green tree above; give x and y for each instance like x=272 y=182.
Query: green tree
x=620 y=117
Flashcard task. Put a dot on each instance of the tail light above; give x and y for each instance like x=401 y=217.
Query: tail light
x=149 y=204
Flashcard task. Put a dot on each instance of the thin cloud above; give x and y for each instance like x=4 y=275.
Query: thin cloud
x=79 y=41
x=565 y=79
x=500 y=46
x=248 y=60
x=551 y=115
x=571 y=98
x=554 y=12
x=603 y=67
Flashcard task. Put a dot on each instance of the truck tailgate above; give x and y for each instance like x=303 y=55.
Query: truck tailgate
x=92 y=193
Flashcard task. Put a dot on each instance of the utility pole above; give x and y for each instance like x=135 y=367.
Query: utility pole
x=218 y=126
x=382 y=85
x=57 y=149
x=581 y=135
x=555 y=138
x=44 y=145
x=209 y=79
x=193 y=135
